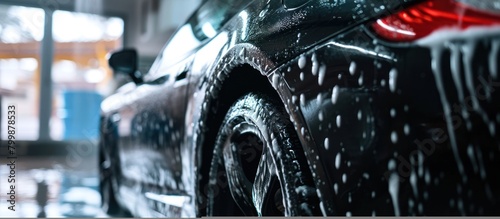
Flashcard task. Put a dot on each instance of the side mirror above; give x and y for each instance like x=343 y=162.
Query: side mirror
x=125 y=62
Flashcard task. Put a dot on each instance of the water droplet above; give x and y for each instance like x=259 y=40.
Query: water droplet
x=394 y=137
x=302 y=76
x=360 y=115
x=344 y=178
x=315 y=66
x=339 y=120
x=406 y=129
x=335 y=94
x=302 y=62
x=391 y=165
x=319 y=99
x=394 y=190
x=494 y=54
x=302 y=100
x=338 y=160
x=276 y=78
x=393 y=76
x=322 y=72
x=336 y=188
x=352 y=68
x=382 y=83
x=320 y=116
x=393 y=113
x=327 y=143
x=470 y=152
x=492 y=129
x=427 y=177
x=348 y=214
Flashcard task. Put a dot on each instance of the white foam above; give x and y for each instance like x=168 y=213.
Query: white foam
x=438 y=37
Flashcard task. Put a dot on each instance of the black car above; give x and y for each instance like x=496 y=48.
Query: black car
x=311 y=107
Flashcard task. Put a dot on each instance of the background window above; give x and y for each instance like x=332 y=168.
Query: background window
x=21 y=30
x=80 y=72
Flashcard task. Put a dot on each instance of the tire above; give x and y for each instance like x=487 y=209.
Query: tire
x=258 y=165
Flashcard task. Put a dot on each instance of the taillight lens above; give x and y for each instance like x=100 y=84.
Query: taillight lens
x=422 y=19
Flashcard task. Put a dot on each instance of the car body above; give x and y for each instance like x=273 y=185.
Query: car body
x=391 y=122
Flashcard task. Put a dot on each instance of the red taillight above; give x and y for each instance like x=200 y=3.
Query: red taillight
x=424 y=18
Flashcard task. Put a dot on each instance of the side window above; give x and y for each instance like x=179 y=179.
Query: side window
x=80 y=77
x=204 y=24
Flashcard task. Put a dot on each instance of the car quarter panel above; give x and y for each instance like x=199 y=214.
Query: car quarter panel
x=265 y=35
x=375 y=115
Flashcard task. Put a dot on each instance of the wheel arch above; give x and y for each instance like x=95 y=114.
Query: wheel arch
x=225 y=78
x=241 y=70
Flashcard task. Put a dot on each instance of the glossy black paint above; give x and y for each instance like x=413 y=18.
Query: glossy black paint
x=303 y=52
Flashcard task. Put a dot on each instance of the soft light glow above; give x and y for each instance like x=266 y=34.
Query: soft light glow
x=114 y=27
x=65 y=71
x=79 y=27
x=95 y=75
x=28 y=64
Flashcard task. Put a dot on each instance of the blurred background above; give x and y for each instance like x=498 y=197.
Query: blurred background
x=53 y=68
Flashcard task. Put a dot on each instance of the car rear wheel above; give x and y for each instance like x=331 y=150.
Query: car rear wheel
x=259 y=167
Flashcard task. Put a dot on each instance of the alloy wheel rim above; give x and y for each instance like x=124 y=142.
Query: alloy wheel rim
x=251 y=172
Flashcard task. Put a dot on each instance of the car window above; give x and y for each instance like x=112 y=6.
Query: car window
x=205 y=23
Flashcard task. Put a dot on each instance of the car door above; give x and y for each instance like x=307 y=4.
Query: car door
x=151 y=130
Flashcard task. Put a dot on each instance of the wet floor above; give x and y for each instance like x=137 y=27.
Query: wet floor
x=64 y=187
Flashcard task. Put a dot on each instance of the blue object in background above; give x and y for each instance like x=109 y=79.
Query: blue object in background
x=81 y=120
